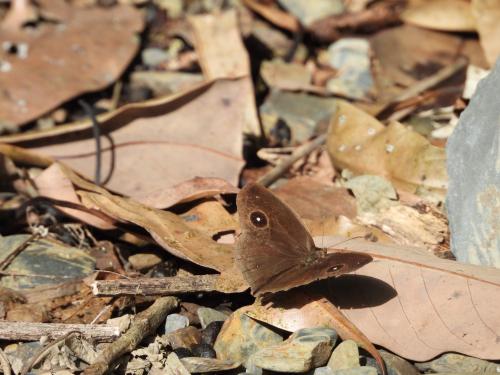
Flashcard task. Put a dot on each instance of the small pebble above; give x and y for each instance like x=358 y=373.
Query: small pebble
x=204 y=351
x=208 y=315
x=154 y=56
x=183 y=352
x=175 y=322
x=210 y=332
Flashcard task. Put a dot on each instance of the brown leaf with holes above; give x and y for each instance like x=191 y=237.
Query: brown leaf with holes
x=362 y=144
x=408 y=301
x=65 y=59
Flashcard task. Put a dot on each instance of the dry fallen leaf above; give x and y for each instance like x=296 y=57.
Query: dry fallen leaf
x=445 y=15
x=222 y=54
x=408 y=301
x=363 y=145
x=65 y=60
x=148 y=145
x=487 y=13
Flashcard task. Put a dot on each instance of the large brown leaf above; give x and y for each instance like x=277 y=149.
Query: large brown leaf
x=408 y=301
x=147 y=146
x=87 y=52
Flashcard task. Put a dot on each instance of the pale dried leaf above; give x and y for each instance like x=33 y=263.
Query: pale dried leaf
x=487 y=14
x=445 y=15
x=360 y=143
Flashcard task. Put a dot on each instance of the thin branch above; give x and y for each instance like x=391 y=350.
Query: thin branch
x=304 y=150
x=144 y=324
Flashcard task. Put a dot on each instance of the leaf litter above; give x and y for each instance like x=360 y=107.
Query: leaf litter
x=175 y=145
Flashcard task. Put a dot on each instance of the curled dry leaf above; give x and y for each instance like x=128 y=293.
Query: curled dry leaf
x=63 y=62
x=487 y=13
x=187 y=191
x=408 y=301
x=362 y=144
x=445 y=15
x=146 y=146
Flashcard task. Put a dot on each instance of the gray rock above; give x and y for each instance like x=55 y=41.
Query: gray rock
x=208 y=315
x=363 y=370
x=304 y=350
x=241 y=336
x=302 y=114
x=154 y=56
x=474 y=178
x=309 y=11
x=351 y=58
x=397 y=365
x=175 y=322
x=202 y=365
x=459 y=363
x=345 y=355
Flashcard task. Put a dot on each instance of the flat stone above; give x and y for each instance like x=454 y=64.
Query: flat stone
x=344 y=356
x=210 y=332
x=174 y=366
x=42 y=257
x=241 y=336
x=473 y=151
x=351 y=58
x=208 y=315
x=303 y=114
x=302 y=351
x=187 y=337
x=309 y=11
x=144 y=261
x=165 y=83
x=397 y=365
x=175 y=322
x=363 y=370
x=458 y=363
x=270 y=37
x=373 y=193
x=154 y=56
x=202 y=365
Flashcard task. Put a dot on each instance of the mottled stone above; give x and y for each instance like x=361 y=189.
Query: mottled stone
x=208 y=315
x=363 y=370
x=309 y=11
x=397 y=365
x=210 y=332
x=154 y=56
x=174 y=366
x=144 y=261
x=272 y=38
x=351 y=58
x=175 y=322
x=285 y=76
x=183 y=338
x=345 y=355
x=241 y=336
x=459 y=363
x=473 y=201
x=204 y=350
x=202 y=365
x=373 y=193
x=304 y=350
x=42 y=257
x=303 y=114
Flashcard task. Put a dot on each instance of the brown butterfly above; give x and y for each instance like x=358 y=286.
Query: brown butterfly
x=275 y=251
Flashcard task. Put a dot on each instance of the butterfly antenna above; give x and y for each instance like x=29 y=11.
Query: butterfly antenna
x=349 y=239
